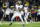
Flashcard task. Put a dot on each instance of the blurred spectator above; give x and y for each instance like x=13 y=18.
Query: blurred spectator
x=32 y=14
x=1 y=13
x=4 y=10
x=38 y=13
x=11 y=12
x=6 y=3
x=35 y=13
x=7 y=13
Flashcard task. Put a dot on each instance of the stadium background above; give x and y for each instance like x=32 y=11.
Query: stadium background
x=35 y=3
x=5 y=23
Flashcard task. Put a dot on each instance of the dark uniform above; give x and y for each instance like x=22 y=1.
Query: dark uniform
x=1 y=14
x=32 y=13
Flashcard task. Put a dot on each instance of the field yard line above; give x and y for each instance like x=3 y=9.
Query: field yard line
x=20 y=23
x=5 y=23
x=35 y=22
x=13 y=23
x=35 y=25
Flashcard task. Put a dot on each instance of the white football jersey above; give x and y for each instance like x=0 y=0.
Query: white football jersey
x=38 y=11
x=17 y=6
x=25 y=9
x=12 y=11
x=7 y=11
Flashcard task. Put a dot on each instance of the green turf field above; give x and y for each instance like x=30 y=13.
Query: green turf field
x=19 y=24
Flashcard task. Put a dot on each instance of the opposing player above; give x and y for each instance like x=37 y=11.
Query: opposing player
x=17 y=12
x=26 y=10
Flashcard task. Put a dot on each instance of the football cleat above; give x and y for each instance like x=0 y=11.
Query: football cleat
x=10 y=24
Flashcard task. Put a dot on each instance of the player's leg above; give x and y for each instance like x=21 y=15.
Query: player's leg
x=12 y=19
x=21 y=18
x=25 y=18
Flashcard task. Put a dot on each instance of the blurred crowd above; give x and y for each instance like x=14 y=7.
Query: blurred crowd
x=7 y=9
